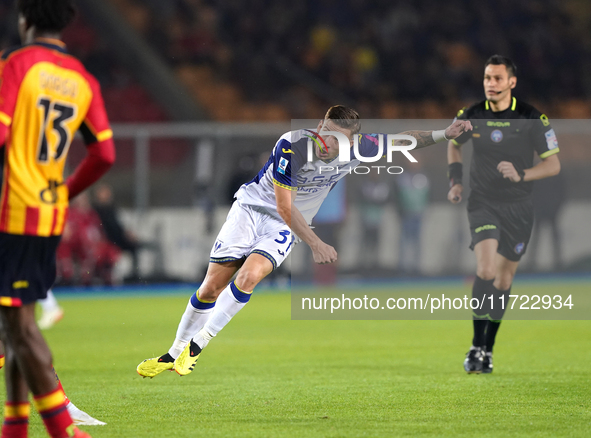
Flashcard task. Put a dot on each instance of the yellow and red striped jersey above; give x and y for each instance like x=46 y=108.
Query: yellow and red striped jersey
x=46 y=95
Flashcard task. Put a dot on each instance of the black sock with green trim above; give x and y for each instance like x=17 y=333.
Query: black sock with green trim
x=481 y=290
x=479 y=332
x=496 y=316
x=492 y=327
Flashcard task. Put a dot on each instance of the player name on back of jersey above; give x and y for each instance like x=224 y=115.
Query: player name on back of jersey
x=67 y=87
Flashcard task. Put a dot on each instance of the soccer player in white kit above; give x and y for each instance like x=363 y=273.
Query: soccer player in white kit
x=262 y=225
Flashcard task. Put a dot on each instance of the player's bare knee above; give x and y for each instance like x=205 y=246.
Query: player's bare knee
x=248 y=278
x=211 y=293
x=3 y=328
x=14 y=334
x=503 y=281
x=28 y=332
x=23 y=338
x=212 y=287
x=3 y=334
x=486 y=272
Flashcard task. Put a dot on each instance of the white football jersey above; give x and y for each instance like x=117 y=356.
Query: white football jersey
x=288 y=167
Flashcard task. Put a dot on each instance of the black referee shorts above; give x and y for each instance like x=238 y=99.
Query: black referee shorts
x=27 y=268
x=510 y=223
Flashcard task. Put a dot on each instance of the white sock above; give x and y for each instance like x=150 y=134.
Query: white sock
x=192 y=321
x=50 y=303
x=227 y=306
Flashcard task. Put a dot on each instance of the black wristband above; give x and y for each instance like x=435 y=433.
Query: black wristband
x=455 y=173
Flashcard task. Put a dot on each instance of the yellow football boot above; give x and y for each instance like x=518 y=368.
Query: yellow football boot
x=186 y=361
x=154 y=366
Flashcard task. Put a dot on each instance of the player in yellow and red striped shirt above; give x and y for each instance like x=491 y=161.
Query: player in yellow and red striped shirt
x=46 y=96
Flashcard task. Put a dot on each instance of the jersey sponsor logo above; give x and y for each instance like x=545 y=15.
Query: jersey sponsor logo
x=49 y=194
x=496 y=136
x=485 y=227
x=320 y=180
x=498 y=124
x=287 y=151
x=551 y=139
x=519 y=248
x=282 y=165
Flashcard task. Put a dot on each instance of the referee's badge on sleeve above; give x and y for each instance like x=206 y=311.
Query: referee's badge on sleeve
x=551 y=139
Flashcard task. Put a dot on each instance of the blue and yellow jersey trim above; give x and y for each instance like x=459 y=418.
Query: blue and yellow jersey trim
x=267 y=256
x=239 y=294
x=224 y=259
x=283 y=186
x=200 y=304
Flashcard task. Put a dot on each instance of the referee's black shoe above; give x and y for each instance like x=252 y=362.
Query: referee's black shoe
x=474 y=360
x=487 y=364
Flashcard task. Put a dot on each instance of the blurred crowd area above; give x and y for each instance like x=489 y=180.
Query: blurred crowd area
x=125 y=100
x=95 y=240
x=278 y=59
x=392 y=59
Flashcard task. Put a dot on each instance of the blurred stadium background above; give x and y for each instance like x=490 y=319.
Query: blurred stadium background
x=198 y=91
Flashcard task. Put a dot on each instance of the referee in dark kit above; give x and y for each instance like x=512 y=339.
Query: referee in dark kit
x=507 y=132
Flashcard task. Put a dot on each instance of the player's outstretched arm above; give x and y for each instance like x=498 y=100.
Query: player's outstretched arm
x=321 y=252
x=428 y=138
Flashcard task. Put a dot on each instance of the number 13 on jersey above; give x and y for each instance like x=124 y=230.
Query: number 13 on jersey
x=55 y=136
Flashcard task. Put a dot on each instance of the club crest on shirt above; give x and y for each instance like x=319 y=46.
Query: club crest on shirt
x=519 y=248
x=496 y=135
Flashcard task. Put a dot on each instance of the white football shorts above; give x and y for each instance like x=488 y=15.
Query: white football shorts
x=251 y=230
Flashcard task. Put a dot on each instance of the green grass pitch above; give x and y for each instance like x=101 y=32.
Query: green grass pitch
x=268 y=376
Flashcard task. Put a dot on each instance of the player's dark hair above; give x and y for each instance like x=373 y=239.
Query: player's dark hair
x=344 y=117
x=502 y=60
x=47 y=15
